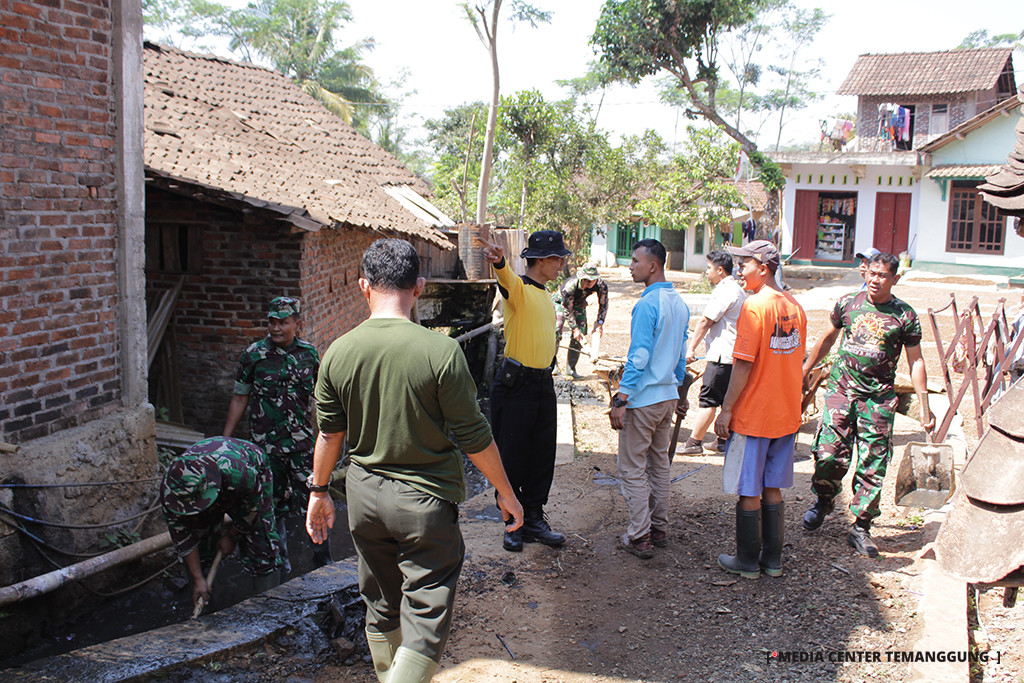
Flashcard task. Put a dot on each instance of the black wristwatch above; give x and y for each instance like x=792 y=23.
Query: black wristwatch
x=313 y=488
x=618 y=402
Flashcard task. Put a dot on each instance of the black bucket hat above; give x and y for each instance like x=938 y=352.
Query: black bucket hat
x=544 y=243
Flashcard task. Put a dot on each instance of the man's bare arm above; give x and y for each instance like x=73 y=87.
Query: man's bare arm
x=699 y=332
x=236 y=409
x=320 y=513
x=488 y=461
x=821 y=350
x=919 y=378
x=737 y=383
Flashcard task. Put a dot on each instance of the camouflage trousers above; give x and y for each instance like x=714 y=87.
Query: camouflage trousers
x=290 y=472
x=846 y=421
x=576 y=318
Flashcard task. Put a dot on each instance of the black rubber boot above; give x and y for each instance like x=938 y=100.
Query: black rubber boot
x=860 y=539
x=536 y=529
x=772 y=538
x=815 y=517
x=572 y=357
x=748 y=545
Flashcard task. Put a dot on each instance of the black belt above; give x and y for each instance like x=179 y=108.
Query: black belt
x=523 y=373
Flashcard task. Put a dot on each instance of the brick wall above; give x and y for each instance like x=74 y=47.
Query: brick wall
x=246 y=261
x=58 y=285
x=331 y=298
x=867 y=118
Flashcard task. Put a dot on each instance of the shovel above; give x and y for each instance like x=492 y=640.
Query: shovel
x=925 y=478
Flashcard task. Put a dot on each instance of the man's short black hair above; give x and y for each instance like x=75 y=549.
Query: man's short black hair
x=890 y=261
x=654 y=248
x=391 y=265
x=721 y=258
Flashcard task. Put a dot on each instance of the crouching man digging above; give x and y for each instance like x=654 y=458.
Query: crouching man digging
x=762 y=411
x=397 y=390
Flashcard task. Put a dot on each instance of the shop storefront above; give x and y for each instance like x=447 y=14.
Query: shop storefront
x=837 y=215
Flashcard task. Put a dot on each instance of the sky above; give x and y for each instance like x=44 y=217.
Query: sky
x=446 y=65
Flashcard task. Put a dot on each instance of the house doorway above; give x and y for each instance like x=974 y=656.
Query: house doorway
x=892 y=222
x=824 y=225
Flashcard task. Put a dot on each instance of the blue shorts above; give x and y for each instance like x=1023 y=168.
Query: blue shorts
x=755 y=463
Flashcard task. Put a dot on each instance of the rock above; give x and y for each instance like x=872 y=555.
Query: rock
x=344 y=647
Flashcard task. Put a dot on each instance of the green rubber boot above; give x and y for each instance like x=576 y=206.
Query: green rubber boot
x=382 y=648
x=410 y=666
x=265 y=582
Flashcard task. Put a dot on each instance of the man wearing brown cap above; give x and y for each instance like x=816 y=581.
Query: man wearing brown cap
x=278 y=373
x=523 y=409
x=761 y=412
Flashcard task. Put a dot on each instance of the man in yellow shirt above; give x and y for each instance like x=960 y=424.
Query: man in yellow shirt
x=523 y=412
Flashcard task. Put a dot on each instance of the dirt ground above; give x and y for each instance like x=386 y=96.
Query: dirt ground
x=592 y=612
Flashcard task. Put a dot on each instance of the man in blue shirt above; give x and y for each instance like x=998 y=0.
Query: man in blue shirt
x=653 y=388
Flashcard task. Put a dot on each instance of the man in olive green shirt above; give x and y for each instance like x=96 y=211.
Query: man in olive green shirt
x=398 y=390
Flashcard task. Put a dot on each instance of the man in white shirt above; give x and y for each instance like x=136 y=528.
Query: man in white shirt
x=717 y=326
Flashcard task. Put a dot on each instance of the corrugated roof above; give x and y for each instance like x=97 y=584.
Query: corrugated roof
x=926 y=73
x=251 y=132
x=962 y=170
x=1004 y=187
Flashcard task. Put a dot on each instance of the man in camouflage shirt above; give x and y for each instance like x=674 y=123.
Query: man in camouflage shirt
x=278 y=373
x=571 y=307
x=214 y=477
x=860 y=401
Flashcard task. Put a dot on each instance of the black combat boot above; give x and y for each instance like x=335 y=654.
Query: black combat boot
x=772 y=538
x=512 y=541
x=748 y=545
x=815 y=517
x=860 y=539
x=536 y=529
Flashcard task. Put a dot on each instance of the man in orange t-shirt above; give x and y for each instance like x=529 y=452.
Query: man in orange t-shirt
x=761 y=412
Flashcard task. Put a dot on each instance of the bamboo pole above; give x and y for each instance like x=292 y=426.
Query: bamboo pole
x=46 y=583
x=478 y=331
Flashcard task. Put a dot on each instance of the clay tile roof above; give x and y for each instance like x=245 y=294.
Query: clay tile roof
x=253 y=134
x=926 y=73
x=751 y=191
x=1005 y=187
x=962 y=170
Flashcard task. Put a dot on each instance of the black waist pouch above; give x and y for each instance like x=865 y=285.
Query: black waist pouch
x=509 y=372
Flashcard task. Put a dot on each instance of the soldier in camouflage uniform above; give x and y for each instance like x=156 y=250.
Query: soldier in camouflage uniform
x=571 y=306
x=860 y=400
x=214 y=477
x=275 y=381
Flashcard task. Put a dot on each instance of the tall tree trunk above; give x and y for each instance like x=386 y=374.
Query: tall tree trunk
x=492 y=118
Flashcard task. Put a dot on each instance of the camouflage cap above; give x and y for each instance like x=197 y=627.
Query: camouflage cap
x=191 y=485
x=282 y=307
x=589 y=272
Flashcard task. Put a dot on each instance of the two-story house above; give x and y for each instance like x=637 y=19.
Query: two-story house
x=930 y=126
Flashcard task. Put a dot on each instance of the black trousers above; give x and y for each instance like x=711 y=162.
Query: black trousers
x=523 y=420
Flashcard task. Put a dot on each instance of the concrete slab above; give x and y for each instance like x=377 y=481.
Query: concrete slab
x=236 y=628
x=565 y=439
x=942 y=612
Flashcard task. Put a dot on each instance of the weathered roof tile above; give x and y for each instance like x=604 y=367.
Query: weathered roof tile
x=926 y=73
x=244 y=129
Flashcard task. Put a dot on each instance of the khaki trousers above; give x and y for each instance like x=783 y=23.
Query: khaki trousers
x=644 y=467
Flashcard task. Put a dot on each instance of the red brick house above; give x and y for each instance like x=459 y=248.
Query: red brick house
x=72 y=309
x=254 y=190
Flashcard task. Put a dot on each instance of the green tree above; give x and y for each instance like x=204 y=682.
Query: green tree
x=683 y=38
x=296 y=37
x=981 y=38
x=697 y=187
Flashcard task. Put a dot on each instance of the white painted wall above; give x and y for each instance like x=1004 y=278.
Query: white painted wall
x=841 y=178
x=989 y=144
